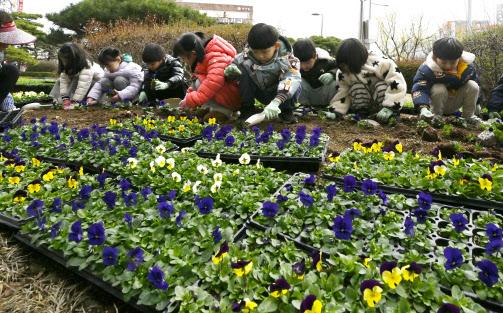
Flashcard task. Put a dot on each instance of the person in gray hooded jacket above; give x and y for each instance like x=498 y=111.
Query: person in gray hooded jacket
x=269 y=72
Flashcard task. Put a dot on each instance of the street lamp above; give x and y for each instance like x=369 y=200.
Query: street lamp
x=317 y=14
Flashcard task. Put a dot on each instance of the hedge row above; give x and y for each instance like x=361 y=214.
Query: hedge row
x=38 y=74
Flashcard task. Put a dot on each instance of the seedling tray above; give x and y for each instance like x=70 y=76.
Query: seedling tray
x=477 y=204
x=10 y=118
x=181 y=142
x=12 y=222
x=59 y=258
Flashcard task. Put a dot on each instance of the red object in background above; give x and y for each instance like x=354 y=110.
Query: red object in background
x=20 y=7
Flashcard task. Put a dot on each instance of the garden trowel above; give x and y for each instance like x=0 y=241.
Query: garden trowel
x=255 y=119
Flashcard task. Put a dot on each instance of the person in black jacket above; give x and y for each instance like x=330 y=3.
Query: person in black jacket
x=168 y=72
x=318 y=70
x=495 y=102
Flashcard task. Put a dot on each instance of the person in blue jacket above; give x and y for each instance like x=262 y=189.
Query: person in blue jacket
x=446 y=82
x=495 y=102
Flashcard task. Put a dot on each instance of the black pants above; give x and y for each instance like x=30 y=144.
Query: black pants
x=9 y=75
x=176 y=92
x=249 y=91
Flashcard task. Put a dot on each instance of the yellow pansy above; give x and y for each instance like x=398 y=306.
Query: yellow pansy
x=366 y=262
x=48 y=176
x=35 y=162
x=399 y=147
x=249 y=305
x=217 y=259
x=333 y=158
x=195 y=120
x=19 y=168
x=495 y=167
x=72 y=183
x=171 y=119
x=408 y=275
x=392 y=278
x=181 y=128
x=356 y=166
x=455 y=161
x=113 y=121
x=357 y=145
x=389 y=155
x=183 y=118
x=243 y=270
x=14 y=180
x=372 y=296
x=81 y=171
x=19 y=199
x=235 y=172
x=485 y=184
x=316 y=307
x=33 y=188
x=212 y=121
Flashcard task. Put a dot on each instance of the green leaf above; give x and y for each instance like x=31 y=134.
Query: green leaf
x=457 y=294
x=403 y=306
x=470 y=275
x=269 y=305
x=400 y=290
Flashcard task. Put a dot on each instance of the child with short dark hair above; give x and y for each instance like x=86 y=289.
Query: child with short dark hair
x=77 y=75
x=168 y=72
x=367 y=82
x=217 y=97
x=318 y=70
x=495 y=102
x=269 y=72
x=446 y=82
x=122 y=76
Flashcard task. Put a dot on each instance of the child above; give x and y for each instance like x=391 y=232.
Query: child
x=269 y=72
x=167 y=70
x=77 y=75
x=446 y=82
x=368 y=83
x=122 y=76
x=217 y=97
x=495 y=102
x=9 y=74
x=318 y=71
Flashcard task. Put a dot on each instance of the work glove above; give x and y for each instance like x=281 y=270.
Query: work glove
x=425 y=115
x=272 y=109
x=159 y=85
x=326 y=78
x=384 y=115
x=184 y=106
x=494 y=115
x=232 y=71
x=478 y=109
x=142 y=97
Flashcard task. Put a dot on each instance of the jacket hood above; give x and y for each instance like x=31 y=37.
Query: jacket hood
x=218 y=44
x=323 y=54
x=466 y=57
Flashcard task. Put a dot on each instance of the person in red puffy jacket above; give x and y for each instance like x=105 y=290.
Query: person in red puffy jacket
x=217 y=97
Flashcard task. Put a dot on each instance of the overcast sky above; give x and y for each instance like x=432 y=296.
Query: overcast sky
x=341 y=17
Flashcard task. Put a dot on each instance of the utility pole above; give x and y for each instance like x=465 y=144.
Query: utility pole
x=469 y=18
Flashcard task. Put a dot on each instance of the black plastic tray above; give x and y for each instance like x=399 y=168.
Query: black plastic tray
x=13 y=222
x=10 y=118
x=407 y=110
x=478 y=204
x=86 y=167
x=181 y=142
x=86 y=274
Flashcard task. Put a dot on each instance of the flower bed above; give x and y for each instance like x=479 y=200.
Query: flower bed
x=279 y=150
x=449 y=243
x=458 y=177
x=21 y=97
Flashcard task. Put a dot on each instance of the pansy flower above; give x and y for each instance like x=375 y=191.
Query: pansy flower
x=306 y=199
x=55 y=230
x=458 y=221
x=129 y=220
x=316 y=256
x=314 y=141
x=270 y=209
x=136 y=256
x=367 y=147
x=369 y=187
x=56 y=205
x=217 y=235
x=388 y=153
x=77 y=206
x=398 y=146
x=437 y=153
x=72 y=182
x=85 y=192
x=229 y=141
x=35 y=208
x=310 y=305
x=439 y=167
x=357 y=144
x=352 y=213
x=224 y=249
x=424 y=200
x=365 y=260
x=421 y=215
x=245 y=306
x=299 y=269
x=96 y=234
x=409 y=227
x=309 y=180
x=448 y=308
x=242 y=267
x=34 y=186
x=334 y=156
x=349 y=183
x=110 y=198
x=286 y=135
x=393 y=277
x=279 y=288
x=488 y=273
x=411 y=271
x=180 y=217
x=494 y=246
x=14 y=179
x=110 y=256
x=486 y=182
x=493 y=232
x=371 y=290
x=76 y=232
x=331 y=192
x=454 y=258
x=244 y=159
x=165 y=209
x=205 y=205
x=156 y=277
x=19 y=196
x=130 y=199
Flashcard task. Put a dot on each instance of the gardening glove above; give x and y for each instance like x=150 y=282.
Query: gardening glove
x=115 y=98
x=232 y=71
x=272 y=109
x=326 y=78
x=330 y=115
x=159 y=85
x=384 y=115
x=425 y=115
x=494 y=115
x=142 y=97
x=184 y=106
x=478 y=109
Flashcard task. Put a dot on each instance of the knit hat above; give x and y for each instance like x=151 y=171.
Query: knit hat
x=11 y=35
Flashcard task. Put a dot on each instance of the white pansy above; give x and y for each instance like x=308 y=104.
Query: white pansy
x=244 y=159
x=235 y=172
x=132 y=162
x=216 y=186
x=152 y=167
x=195 y=188
x=218 y=177
x=202 y=169
x=217 y=162
x=161 y=161
x=171 y=163
x=160 y=148
x=259 y=165
x=185 y=150
x=176 y=177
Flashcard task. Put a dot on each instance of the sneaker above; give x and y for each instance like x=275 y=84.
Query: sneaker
x=288 y=117
x=473 y=120
x=302 y=109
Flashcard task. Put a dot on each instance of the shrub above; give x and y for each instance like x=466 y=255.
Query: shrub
x=38 y=74
x=44 y=66
x=409 y=69
x=132 y=36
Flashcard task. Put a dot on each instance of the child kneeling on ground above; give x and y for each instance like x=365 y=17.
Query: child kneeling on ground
x=446 y=82
x=122 y=76
x=269 y=72
x=216 y=97
x=495 y=102
x=318 y=70
x=368 y=83
x=168 y=71
x=77 y=75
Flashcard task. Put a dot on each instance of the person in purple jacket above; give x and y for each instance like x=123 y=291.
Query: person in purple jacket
x=122 y=76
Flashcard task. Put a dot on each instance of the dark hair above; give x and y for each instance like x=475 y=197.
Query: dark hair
x=153 y=53
x=5 y=17
x=353 y=53
x=189 y=42
x=304 y=49
x=448 y=48
x=77 y=58
x=262 y=36
x=108 y=55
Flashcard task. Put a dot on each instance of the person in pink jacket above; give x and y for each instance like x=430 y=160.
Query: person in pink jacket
x=122 y=76
x=216 y=97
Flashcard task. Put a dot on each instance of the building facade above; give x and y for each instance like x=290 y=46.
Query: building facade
x=223 y=13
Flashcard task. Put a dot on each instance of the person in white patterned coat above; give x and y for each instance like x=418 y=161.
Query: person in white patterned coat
x=368 y=83
x=123 y=78
x=77 y=73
